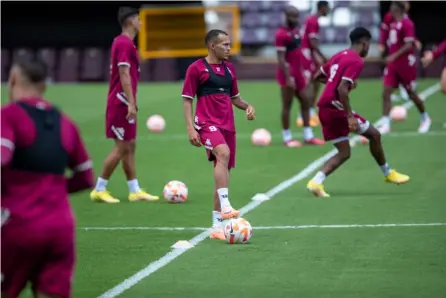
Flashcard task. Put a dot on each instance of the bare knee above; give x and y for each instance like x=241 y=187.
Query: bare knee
x=122 y=148
x=222 y=154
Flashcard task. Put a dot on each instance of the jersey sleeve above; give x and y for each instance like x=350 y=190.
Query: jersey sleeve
x=191 y=82
x=8 y=137
x=281 y=41
x=352 y=71
x=124 y=54
x=234 y=88
x=313 y=28
x=79 y=161
x=440 y=50
x=408 y=30
x=384 y=29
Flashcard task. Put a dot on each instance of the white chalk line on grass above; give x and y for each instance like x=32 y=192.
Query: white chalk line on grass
x=350 y=226
x=176 y=252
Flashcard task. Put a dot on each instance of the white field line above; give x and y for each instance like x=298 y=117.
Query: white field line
x=350 y=226
x=176 y=252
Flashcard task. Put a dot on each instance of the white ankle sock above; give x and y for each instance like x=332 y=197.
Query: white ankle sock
x=424 y=116
x=133 y=185
x=287 y=136
x=312 y=112
x=223 y=196
x=385 y=169
x=216 y=219
x=308 y=133
x=386 y=120
x=101 y=184
x=319 y=178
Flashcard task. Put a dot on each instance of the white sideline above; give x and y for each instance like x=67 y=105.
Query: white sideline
x=175 y=253
x=390 y=225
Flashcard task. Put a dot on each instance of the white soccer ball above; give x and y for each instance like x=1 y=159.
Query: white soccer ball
x=261 y=137
x=238 y=231
x=175 y=192
x=156 y=123
x=398 y=113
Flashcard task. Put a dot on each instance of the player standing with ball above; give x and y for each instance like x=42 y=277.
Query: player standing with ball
x=213 y=81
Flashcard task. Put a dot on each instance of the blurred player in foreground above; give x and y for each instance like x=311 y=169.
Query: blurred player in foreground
x=213 y=81
x=121 y=111
x=337 y=117
x=311 y=57
x=401 y=67
x=291 y=79
x=430 y=56
x=38 y=144
x=383 y=38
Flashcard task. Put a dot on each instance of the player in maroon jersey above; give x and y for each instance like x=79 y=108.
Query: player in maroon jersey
x=213 y=81
x=311 y=55
x=121 y=111
x=291 y=79
x=401 y=66
x=430 y=56
x=38 y=144
x=337 y=117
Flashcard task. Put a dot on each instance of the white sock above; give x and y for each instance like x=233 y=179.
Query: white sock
x=308 y=133
x=312 y=112
x=101 y=184
x=133 y=185
x=424 y=116
x=319 y=178
x=286 y=134
x=216 y=219
x=386 y=120
x=385 y=169
x=223 y=196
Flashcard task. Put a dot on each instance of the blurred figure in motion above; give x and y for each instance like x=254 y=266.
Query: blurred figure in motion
x=430 y=56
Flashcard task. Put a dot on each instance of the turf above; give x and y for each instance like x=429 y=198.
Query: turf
x=319 y=262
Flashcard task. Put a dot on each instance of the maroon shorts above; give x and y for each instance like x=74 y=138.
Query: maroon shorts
x=43 y=257
x=212 y=136
x=297 y=75
x=117 y=126
x=335 y=125
x=401 y=74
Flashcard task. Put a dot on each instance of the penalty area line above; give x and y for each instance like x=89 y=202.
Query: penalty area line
x=176 y=252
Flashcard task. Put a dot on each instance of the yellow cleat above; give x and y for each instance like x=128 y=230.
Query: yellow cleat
x=103 y=197
x=314 y=121
x=142 y=196
x=317 y=189
x=396 y=178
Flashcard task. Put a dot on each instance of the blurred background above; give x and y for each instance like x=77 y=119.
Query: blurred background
x=74 y=37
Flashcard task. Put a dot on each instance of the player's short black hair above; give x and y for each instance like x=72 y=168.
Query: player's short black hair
x=359 y=33
x=125 y=12
x=213 y=34
x=321 y=4
x=399 y=4
x=34 y=69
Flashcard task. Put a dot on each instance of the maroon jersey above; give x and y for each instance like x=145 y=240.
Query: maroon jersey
x=400 y=33
x=123 y=52
x=214 y=85
x=288 y=40
x=38 y=145
x=309 y=30
x=440 y=50
x=345 y=65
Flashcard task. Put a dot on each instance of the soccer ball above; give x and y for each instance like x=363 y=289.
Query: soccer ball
x=261 y=137
x=398 y=113
x=238 y=231
x=175 y=192
x=156 y=123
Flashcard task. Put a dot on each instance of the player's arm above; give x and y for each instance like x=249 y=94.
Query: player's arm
x=343 y=91
x=320 y=75
x=81 y=166
x=7 y=137
x=383 y=36
x=190 y=87
x=430 y=56
x=348 y=79
x=313 y=33
x=237 y=100
x=281 y=59
x=124 y=59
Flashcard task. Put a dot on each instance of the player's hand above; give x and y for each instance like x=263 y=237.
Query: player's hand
x=353 y=124
x=290 y=83
x=381 y=49
x=389 y=59
x=131 y=112
x=427 y=58
x=194 y=138
x=250 y=112
x=418 y=44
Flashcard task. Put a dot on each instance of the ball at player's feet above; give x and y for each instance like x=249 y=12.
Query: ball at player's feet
x=398 y=113
x=238 y=231
x=156 y=123
x=261 y=137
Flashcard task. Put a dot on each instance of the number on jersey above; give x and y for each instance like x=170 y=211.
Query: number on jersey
x=393 y=37
x=333 y=70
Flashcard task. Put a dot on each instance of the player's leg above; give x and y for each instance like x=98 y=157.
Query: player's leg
x=303 y=95
x=287 y=95
x=390 y=83
x=443 y=81
x=377 y=151
x=129 y=168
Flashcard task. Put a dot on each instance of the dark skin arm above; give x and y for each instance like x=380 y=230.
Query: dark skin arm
x=285 y=68
x=343 y=91
x=314 y=44
x=320 y=77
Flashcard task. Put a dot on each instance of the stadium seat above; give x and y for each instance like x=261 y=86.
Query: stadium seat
x=22 y=53
x=68 y=68
x=49 y=56
x=92 y=65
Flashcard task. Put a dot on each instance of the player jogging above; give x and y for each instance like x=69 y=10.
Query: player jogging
x=337 y=117
x=310 y=57
x=213 y=81
x=401 y=67
x=291 y=79
x=120 y=123
x=430 y=56
x=38 y=144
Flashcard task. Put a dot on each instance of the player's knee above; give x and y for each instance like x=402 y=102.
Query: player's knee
x=123 y=149
x=345 y=155
x=222 y=154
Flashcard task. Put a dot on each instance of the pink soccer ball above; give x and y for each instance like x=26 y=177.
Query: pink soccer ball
x=398 y=113
x=156 y=123
x=261 y=137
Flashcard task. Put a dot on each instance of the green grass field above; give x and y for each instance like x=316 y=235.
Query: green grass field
x=307 y=247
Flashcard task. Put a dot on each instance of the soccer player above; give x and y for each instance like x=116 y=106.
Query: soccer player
x=401 y=66
x=291 y=79
x=213 y=81
x=337 y=117
x=38 y=144
x=310 y=54
x=430 y=56
x=121 y=111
